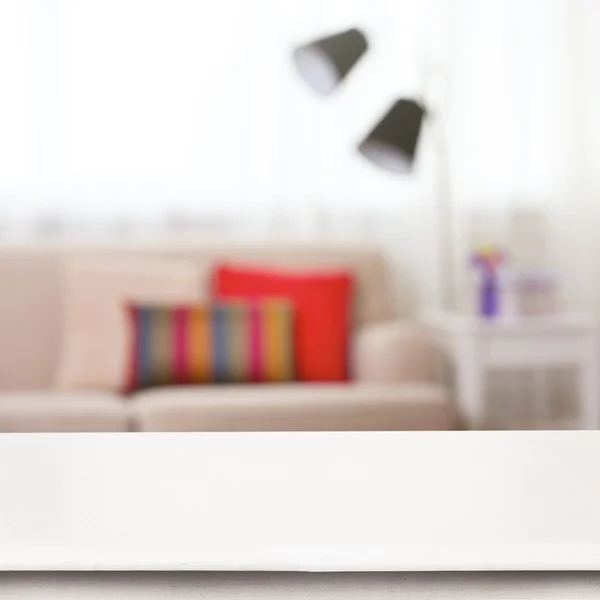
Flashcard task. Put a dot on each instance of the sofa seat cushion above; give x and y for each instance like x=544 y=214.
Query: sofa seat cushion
x=28 y=412
x=294 y=407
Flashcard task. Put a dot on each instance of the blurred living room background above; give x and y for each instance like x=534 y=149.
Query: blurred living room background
x=138 y=124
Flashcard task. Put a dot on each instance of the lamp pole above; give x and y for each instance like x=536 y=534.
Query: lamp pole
x=436 y=81
x=445 y=215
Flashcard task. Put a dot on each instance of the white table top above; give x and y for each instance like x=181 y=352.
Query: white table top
x=304 y=501
x=559 y=323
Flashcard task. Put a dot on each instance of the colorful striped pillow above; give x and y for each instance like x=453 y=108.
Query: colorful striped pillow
x=230 y=342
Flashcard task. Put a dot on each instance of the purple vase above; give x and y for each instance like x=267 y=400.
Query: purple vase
x=489 y=304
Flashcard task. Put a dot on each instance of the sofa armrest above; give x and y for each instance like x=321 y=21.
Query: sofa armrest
x=394 y=352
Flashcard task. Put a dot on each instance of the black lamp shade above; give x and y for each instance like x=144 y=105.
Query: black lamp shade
x=392 y=143
x=326 y=62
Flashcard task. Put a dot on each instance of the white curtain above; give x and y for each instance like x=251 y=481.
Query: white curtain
x=138 y=106
x=525 y=88
x=150 y=111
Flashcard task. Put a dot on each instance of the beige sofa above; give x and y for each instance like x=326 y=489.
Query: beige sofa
x=394 y=386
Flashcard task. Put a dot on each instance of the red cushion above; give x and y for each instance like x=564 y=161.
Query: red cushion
x=323 y=303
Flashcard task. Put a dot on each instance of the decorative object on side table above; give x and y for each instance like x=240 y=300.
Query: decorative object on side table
x=532 y=292
x=488 y=259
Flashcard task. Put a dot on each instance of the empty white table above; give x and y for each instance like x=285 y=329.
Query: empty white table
x=413 y=501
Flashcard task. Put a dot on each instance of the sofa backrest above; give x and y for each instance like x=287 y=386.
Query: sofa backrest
x=31 y=302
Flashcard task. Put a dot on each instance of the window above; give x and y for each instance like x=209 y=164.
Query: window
x=143 y=106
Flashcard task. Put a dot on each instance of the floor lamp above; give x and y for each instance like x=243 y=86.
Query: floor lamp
x=393 y=142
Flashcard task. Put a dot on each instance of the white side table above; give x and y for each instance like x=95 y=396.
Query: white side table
x=476 y=345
